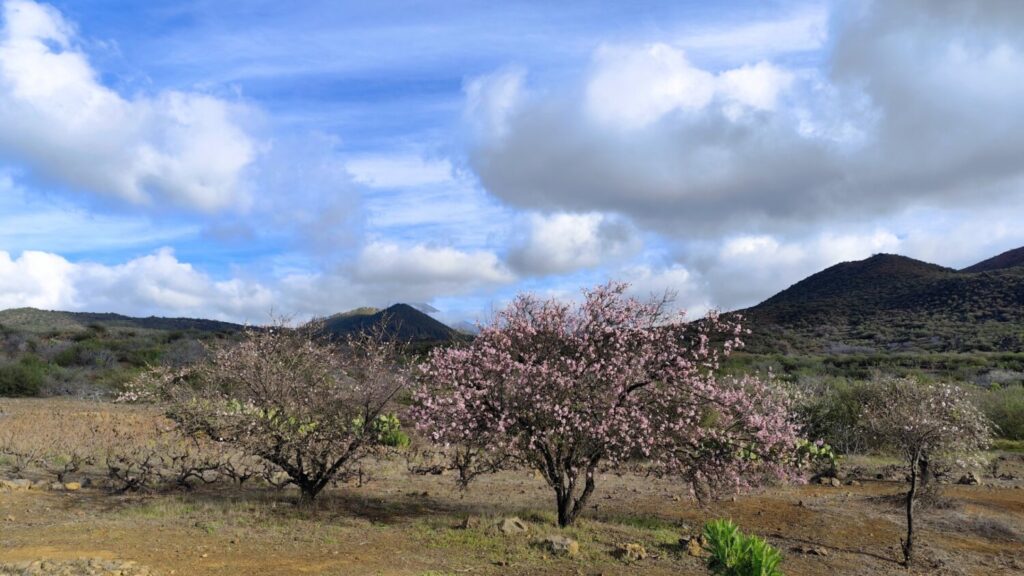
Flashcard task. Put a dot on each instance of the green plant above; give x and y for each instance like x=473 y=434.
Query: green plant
x=736 y=554
x=389 y=431
x=818 y=456
x=24 y=378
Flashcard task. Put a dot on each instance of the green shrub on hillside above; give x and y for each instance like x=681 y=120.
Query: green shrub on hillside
x=1005 y=408
x=24 y=378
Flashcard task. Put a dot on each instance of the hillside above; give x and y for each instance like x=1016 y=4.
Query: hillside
x=893 y=303
x=1008 y=259
x=402 y=322
x=42 y=321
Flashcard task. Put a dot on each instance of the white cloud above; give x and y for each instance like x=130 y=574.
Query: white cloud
x=399 y=171
x=178 y=147
x=153 y=284
x=384 y=262
x=633 y=87
x=917 y=105
x=676 y=281
x=36 y=279
x=491 y=99
x=563 y=242
x=804 y=30
x=757 y=86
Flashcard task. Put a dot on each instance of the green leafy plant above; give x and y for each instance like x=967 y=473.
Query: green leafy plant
x=736 y=554
x=818 y=456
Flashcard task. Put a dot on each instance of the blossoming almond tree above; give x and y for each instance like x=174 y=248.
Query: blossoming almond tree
x=566 y=389
x=308 y=406
x=923 y=422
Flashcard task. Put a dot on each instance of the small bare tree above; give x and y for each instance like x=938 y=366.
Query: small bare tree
x=307 y=405
x=924 y=422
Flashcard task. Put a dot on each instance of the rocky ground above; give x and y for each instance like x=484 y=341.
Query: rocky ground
x=406 y=524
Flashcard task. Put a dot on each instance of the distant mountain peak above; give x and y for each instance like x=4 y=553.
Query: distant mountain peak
x=892 y=302
x=401 y=321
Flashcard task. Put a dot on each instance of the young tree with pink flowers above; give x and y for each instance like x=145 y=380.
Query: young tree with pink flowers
x=570 y=389
x=922 y=422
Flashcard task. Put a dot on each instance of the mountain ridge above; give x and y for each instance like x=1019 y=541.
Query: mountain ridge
x=894 y=303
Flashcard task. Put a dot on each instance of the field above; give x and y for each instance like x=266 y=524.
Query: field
x=401 y=523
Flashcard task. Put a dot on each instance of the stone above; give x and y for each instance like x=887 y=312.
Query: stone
x=694 y=548
x=18 y=484
x=835 y=482
x=561 y=546
x=631 y=552
x=469 y=523
x=513 y=525
x=969 y=479
x=72 y=486
x=853 y=483
x=812 y=550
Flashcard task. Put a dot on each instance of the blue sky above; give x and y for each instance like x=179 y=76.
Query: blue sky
x=227 y=159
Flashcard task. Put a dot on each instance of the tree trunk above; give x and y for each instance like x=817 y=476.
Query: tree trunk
x=307 y=494
x=569 y=504
x=908 y=544
x=926 y=471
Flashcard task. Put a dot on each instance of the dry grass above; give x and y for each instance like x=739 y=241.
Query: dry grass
x=408 y=524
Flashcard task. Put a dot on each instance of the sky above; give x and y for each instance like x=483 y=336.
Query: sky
x=234 y=160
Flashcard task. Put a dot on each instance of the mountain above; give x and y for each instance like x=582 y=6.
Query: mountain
x=894 y=303
x=1008 y=259
x=401 y=321
x=43 y=321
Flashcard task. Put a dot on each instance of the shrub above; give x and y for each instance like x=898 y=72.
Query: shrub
x=304 y=404
x=736 y=554
x=24 y=378
x=1005 y=408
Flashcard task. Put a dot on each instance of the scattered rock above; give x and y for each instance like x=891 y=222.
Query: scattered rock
x=631 y=552
x=561 y=546
x=853 y=483
x=969 y=479
x=469 y=523
x=82 y=567
x=694 y=545
x=512 y=525
x=72 y=486
x=830 y=481
x=19 y=484
x=42 y=485
x=812 y=550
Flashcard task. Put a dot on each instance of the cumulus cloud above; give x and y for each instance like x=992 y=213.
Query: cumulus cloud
x=633 y=87
x=917 y=104
x=154 y=284
x=182 y=148
x=161 y=284
x=564 y=242
x=491 y=99
x=388 y=263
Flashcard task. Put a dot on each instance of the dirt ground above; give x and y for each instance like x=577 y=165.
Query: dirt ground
x=404 y=524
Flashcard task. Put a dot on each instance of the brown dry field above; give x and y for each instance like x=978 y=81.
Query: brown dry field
x=404 y=524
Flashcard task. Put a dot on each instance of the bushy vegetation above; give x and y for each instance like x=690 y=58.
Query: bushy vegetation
x=24 y=377
x=1004 y=406
x=736 y=554
x=312 y=407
